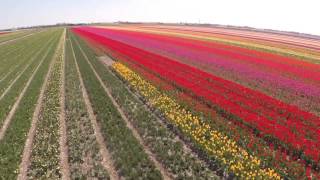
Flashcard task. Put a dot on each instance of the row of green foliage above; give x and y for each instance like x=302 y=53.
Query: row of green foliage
x=84 y=157
x=12 y=145
x=13 y=48
x=32 y=61
x=158 y=137
x=16 y=57
x=14 y=35
x=128 y=155
x=45 y=157
x=17 y=50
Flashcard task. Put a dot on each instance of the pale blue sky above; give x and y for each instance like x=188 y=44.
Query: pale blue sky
x=292 y=15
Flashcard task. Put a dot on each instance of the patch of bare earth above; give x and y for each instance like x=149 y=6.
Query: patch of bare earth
x=106 y=60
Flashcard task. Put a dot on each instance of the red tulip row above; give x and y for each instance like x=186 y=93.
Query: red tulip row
x=235 y=130
x=287 y=123
x=300 y=69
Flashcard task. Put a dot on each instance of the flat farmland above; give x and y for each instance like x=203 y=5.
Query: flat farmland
x=159 y=102
x=7 y=37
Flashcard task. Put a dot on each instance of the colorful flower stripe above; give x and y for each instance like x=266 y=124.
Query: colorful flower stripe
x=222 y=49
x=282 y=37
x=236 y=159
x=294 y=129
x=298 y=82
x=211 y=54
x=290 y=167
x=278 y=40
x=262 y=47
x=234 y=130
x=266 y=126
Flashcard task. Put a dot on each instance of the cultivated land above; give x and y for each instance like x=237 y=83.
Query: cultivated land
x=13 y=36
x=158 y=102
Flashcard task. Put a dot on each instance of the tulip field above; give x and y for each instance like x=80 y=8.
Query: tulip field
x=147 y=101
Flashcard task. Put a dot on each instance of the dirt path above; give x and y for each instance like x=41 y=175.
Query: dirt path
x=15 y=39
x=107 y=161
x=25 y=162
x=65 y=170
x=163 y=171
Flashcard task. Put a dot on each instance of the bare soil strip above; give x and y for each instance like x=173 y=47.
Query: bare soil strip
x=15 y=39
x=63 y=128
x=163 y=171
x=107 y=160
x=16 y=104
x=106 y=60
x=25 y=162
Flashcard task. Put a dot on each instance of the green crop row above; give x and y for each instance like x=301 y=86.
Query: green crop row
x=128 y=155
x=7 y=101
x=12 y=145
x=5 y=48
x=15 y=64
x=18 y=52
x=14 y=48
x=45 y=156
x=14 y=35
x=15 y=55
x=84 y=157
x=162 y=141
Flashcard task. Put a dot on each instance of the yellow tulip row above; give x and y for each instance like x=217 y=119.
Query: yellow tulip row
x=230 y=155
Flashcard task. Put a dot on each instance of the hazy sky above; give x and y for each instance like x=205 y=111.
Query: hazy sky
x=292 y=15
